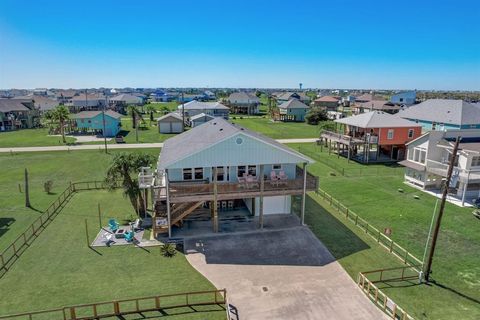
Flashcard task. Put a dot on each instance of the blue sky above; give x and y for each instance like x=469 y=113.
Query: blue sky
x=325 y=44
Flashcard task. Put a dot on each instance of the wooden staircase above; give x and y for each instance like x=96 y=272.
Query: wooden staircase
x=182 y=210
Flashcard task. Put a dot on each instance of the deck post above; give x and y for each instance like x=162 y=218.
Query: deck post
x=215 y=196
x=465 y=188
x=167 y=193
x=304 y=193
x=262 y=186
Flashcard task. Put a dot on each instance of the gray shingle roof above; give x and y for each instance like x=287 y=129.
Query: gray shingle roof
x=7 y=105
x=171 y=115
x=240 y=96
x=201 y=115
x=197 y=105
x=125 y=97
x=457 y=112
x=293 y=104
x=206 y=135
x=92 y=114
x=377 y=119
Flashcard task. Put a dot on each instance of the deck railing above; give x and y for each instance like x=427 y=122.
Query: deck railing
x=122 y=307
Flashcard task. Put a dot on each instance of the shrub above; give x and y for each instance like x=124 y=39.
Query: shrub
x=168 y=250
x=48 y=186
x=315 y=116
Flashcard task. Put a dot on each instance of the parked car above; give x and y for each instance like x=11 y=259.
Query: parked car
x=119 y=139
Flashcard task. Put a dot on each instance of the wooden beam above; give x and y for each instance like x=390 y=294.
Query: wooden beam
x=262 y=187
x=167 y=191
x=304 y=192
x=215 y=197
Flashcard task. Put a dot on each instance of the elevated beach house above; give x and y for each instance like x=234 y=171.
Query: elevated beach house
x=93 y=121
x=214 y=109
x=18 y=114
x=244 y=102
x=428 y=158
x=219 y=167
x=292 y=110
x=374 y=136
x=443 y=114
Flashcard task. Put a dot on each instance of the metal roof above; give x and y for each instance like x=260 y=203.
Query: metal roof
x=197 y=105
x=377 y=119
x=293 y=104
x=93 y=114
x=174 y=115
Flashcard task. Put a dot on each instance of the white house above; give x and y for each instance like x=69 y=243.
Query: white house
x=170 y=123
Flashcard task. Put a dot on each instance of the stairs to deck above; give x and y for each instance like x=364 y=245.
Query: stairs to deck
x=181 y=211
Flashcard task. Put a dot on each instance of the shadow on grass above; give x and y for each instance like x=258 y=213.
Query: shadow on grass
x=452 y=290
x=168 y=312
x=5 y=223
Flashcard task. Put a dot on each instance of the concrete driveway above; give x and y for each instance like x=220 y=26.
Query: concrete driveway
x=281 y=274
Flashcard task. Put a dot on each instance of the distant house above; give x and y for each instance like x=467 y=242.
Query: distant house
x=367 y=97
x=327 y=103
x=218 y=167
x=200 y=119
x=18 y=114
x=374 y=136
x=170 y=123
x=162 y=96
x=292 y=110
x=92 y=121
x=282 y=97
x=40 y=103
x=427 y=162
x=443 y=114
x=126 y=99
x=88 y=102
x=243 y=102
x=406 y=98
x=376 y=105
x=215 y=109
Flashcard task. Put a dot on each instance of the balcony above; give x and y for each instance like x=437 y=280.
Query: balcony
x=346 y=139
x=204 y=190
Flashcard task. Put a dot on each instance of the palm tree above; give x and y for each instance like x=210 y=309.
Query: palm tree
x=123 y=169
x=133 y=112
x=61 y=114
x=150 y=110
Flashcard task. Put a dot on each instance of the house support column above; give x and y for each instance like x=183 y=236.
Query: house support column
x=304 y=194
x=465 y=189
x=262 y=186
x=214 y=204
x=167 y=193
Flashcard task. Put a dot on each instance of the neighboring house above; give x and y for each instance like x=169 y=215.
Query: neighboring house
x=405 y=98
x=88 y=102
x=292 y=110
x=443 y=114
x=195 y=107
x=243 y=102
x=199 y=119
x=126 y=99
x=376 y=105
x=65 y=97
x=374 y=136
x=366 y=97
x=18 y=114
x=162 y=96
x=170 y=123
x=428 y=158
x=218 y=167
x=327 y=103
x=282 y=97
x=40 y=103
x=92 y=121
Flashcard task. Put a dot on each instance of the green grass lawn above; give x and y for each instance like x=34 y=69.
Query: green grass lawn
x=456 y=266
x=60 y=166
x=278 y=130
x=30 y=138
x=58 y=269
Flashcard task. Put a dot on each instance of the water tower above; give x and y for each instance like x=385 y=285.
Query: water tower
x=300 y=85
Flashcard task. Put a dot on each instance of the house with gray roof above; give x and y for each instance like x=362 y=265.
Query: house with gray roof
x=96 y=121
x=292 y=110
x=170 y=123
x=215 y=109
x=199 y=119
x=219 y=173
x=443 y=114
x=243 y=102
x=18 y=114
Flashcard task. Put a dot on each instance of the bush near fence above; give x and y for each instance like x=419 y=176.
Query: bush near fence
x=24 y=240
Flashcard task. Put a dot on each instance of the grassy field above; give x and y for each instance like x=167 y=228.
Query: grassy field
x=58 y=269
x=30 y=138
x=278 y=130
x=60 y=167
x=376 y=198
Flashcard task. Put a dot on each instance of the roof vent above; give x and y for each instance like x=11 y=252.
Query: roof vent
x=221 y=129
x=241 y=129
x=214 y=123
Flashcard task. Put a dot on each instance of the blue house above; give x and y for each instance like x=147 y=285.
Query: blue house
x=443 y=114
x=218 y=168
x=407 y=98
x=92 y=121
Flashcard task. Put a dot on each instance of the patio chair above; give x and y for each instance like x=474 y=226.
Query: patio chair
x=113 y=225
x=129 y=236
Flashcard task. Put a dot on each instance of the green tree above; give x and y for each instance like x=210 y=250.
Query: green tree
x=61 y=114
x=151 y=110
x=315 y=116
x=123 y=170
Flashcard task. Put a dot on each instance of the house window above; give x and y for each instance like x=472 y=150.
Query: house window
x=434 y=125
x=476 y=161
x=390 y=134
x=277 y=167
x=198 y=173
x=220 y=174
x=401 y=99
x=241 y=170
x=410 y=133
x=252 y=170
x=187 y=174
x=410 y=154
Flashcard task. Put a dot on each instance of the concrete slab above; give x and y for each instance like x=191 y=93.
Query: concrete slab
x=280 y=274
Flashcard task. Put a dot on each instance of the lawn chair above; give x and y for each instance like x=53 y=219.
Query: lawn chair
x=273 y=178
x=113 y=225
x=129 y=236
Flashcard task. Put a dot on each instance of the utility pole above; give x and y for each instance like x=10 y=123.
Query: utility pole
x=183 y=109
x=428 y=270
x=27 y=194
x=103 y=118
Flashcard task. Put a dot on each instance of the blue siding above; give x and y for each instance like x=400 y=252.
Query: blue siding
x=404 y=97
x=298 y=113
x=112 y=125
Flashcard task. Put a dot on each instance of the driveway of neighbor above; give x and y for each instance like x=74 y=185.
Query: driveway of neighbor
x=281 y=274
